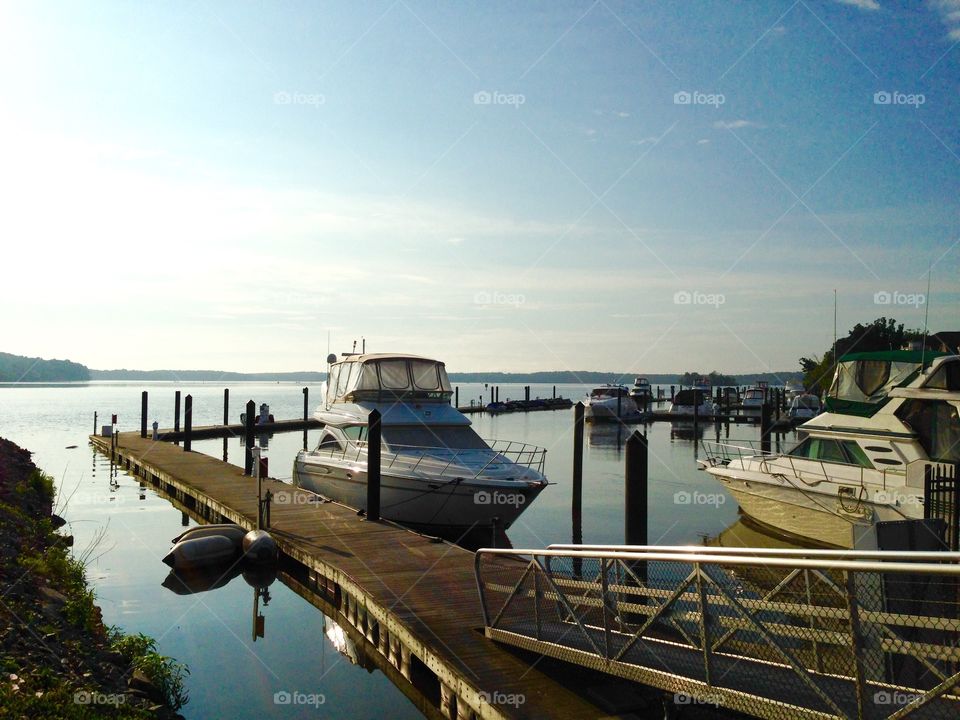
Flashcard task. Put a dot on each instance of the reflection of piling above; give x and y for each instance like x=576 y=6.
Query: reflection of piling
x=187 y=422
x=248 y=438
x=373 y=466
x=577 y=505
x=143 y=414
x=635 y=496
x=765 y=427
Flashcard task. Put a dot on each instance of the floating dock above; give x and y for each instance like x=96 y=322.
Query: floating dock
x=415 y=600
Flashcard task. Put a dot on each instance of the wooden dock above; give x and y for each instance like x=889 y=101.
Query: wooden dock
x=413 y=598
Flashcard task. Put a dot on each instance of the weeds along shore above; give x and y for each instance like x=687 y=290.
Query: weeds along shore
x=57 y=658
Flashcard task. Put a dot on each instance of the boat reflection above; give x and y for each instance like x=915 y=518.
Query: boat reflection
x=607 y=439
x=344 y=645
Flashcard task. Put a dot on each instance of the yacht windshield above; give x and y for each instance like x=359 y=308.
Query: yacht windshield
x=454 y=437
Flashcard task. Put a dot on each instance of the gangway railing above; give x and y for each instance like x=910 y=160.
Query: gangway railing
x=771 y=633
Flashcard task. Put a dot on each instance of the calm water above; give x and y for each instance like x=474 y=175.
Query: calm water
x=124 y=529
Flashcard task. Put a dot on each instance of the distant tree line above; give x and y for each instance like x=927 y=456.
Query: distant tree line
x=714 y=378
x=16 y=368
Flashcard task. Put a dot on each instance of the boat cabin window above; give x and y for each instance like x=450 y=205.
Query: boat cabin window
x=355 y=433
x=836 y=451
x=947 y=377
x=937 y=425
x=329 y=442
x=425 y=375
x=454 y=437
x=393 y=374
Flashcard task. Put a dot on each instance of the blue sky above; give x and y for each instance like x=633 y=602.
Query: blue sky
x=614 y=186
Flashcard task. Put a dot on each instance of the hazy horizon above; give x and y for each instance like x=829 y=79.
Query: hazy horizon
x=565 y=185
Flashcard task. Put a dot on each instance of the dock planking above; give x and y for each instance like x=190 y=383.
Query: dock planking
x=416 y=592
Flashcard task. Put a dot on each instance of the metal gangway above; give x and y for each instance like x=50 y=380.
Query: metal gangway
x=774 y=633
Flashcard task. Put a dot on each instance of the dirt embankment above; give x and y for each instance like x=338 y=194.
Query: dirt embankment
x=57 y=659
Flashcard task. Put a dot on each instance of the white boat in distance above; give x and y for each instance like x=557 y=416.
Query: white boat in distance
x=437 y=474
x=889 y=422
x=686 y=402
x=610 y=402
x=641 y=389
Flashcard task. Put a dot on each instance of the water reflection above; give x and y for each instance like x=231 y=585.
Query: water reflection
x=607 y=438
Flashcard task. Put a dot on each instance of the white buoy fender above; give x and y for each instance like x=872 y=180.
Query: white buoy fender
x=200 y=552
x=259 y=547
x=228 y=530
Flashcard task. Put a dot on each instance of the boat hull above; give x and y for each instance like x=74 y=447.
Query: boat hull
x=438 y=506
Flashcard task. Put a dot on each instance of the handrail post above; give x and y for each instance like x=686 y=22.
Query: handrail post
x=856 y=637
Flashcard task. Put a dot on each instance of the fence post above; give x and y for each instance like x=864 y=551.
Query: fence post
x=373 y=466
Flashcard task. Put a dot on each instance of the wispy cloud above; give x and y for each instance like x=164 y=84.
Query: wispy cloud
x=950 y=14
x=737 y=124
x=862 y=4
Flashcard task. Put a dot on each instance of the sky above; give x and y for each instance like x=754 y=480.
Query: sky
x=639 y=187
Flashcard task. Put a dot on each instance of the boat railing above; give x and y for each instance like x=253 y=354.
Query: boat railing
x=809 y=471
x=412 y=457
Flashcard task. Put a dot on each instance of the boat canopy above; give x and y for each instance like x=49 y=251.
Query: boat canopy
x=864 y=380
x=382 y=376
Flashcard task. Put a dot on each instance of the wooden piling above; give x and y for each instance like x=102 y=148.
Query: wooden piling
x=635 y=495
x=187 y=422
x=373 y=466
x=143 y=414
x=176 y=411
x=306 y=413
x=226 y=406
x=248 y=438
x=456 y=396
x=765 y=427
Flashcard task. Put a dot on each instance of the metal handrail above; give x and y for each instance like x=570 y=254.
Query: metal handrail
x=531 y=457
x=906 y=555
x=735 y=560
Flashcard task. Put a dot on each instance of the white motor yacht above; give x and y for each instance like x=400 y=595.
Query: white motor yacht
x=890 y=422
x=437 y=474
x=641 y=390
x=610 y=402
x=803 y=407
x=686 y=402
x=752 y=403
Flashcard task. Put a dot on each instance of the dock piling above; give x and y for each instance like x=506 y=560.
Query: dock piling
x=306 y=415
x=765 y=427
x=226 y=406
x=143 y=414
x=176 y=412
x=373 y=466
x=187 y=422
x=577 y=504
x=635 y=495
x=248 y=437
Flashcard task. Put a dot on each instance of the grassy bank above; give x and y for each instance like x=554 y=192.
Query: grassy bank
x=57 y=659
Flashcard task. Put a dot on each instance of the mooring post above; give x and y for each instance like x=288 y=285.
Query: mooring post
x=373 y=466
x=554 y=392
x=143 y=414
x=306 y=414
x=491 y=394
x=456 y=396
x=187 y=422
x=526 y=393
x=696 y=416
x=176 y=411
x=226 y=406
x=635 y=496
x=248 y=437
x=765 y=425
x=95 y=431
x=672 y=393
x=255 y=459
x=577 y=505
